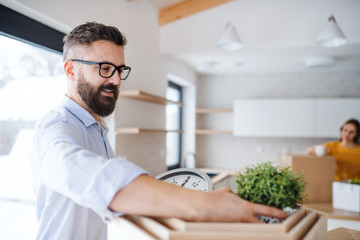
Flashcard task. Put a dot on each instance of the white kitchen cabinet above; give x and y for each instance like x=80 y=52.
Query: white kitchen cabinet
x=247 y=115
x=288 y=117
x=331 y=113
x=274 y=117
x=293 y=117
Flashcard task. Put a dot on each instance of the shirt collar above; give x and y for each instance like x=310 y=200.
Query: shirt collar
x=81 y=113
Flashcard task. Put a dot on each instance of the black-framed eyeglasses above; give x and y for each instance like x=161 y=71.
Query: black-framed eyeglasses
x=107 y=70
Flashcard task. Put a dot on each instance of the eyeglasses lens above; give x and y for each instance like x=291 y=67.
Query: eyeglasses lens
x=124 y=73
x=107 y=70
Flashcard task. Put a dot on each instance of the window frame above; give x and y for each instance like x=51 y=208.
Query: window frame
x=20 y=27
x=178 y=88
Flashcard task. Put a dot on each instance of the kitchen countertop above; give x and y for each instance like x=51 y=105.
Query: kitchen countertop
x=334 y=213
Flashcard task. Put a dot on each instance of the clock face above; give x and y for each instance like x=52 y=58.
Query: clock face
x=188 y=178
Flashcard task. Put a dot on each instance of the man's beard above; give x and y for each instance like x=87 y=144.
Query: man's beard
x=98 y=103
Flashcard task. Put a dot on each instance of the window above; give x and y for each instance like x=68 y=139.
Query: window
x=173 y=122
x=31 y=82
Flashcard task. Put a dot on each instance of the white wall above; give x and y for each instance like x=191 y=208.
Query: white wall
x=138 y=20
x=228 y=152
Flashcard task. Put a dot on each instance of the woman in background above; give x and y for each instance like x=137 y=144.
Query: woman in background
x=346 y=151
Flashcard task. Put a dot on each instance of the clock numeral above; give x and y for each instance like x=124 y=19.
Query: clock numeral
x=174 y=181
x=195 y=184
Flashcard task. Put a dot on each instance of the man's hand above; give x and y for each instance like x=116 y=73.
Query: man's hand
x=151 y=197
x=225 y=206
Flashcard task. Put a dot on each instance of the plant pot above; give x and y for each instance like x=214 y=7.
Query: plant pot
x=272 y=220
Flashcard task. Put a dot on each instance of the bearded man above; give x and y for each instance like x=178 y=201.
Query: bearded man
x=79 y=183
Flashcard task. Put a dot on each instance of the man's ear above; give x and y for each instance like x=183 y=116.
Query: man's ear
x=69 y=69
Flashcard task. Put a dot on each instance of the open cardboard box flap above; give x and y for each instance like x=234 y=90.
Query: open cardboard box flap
x=307 y=224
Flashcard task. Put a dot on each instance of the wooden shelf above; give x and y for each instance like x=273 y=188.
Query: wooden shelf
x=213 y=110
x=213 y=131
x=147 y=97
x=135 y=130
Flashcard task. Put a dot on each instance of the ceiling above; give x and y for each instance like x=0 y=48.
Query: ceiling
x=164 y=3
x=278 y=36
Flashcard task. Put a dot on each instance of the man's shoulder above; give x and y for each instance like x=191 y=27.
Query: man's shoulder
x=57 y=115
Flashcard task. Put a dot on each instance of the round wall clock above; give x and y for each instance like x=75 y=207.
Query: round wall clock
x=188 y=178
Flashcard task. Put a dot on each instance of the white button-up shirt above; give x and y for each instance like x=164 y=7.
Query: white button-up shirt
x=76 y=174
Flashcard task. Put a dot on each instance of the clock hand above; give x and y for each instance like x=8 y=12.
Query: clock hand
x=185 y=181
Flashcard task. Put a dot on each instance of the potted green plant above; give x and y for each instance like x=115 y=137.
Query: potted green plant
x=265 y=184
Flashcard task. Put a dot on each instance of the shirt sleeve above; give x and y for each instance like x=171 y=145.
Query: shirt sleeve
x=330 y=147
x=66 y=166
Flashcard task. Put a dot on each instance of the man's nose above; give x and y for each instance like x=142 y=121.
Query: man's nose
x=115 y=79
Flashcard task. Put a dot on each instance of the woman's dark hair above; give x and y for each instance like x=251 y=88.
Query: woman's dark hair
x=87 y=33
x=356 y=123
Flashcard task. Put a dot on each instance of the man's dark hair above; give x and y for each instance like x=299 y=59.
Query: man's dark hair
x=87 y=33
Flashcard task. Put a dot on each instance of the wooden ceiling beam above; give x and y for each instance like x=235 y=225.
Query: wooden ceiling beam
x=186 y=8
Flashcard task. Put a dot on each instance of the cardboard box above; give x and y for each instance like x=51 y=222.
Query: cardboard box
x=305 y=224
x=319 y=173
x=344 y=234
x=346 y=196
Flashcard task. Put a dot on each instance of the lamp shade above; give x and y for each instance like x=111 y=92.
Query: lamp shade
x=331 y=35
x=229 y=39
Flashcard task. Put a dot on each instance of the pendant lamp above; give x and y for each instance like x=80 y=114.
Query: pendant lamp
x=331 y=35
x=229 y=39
